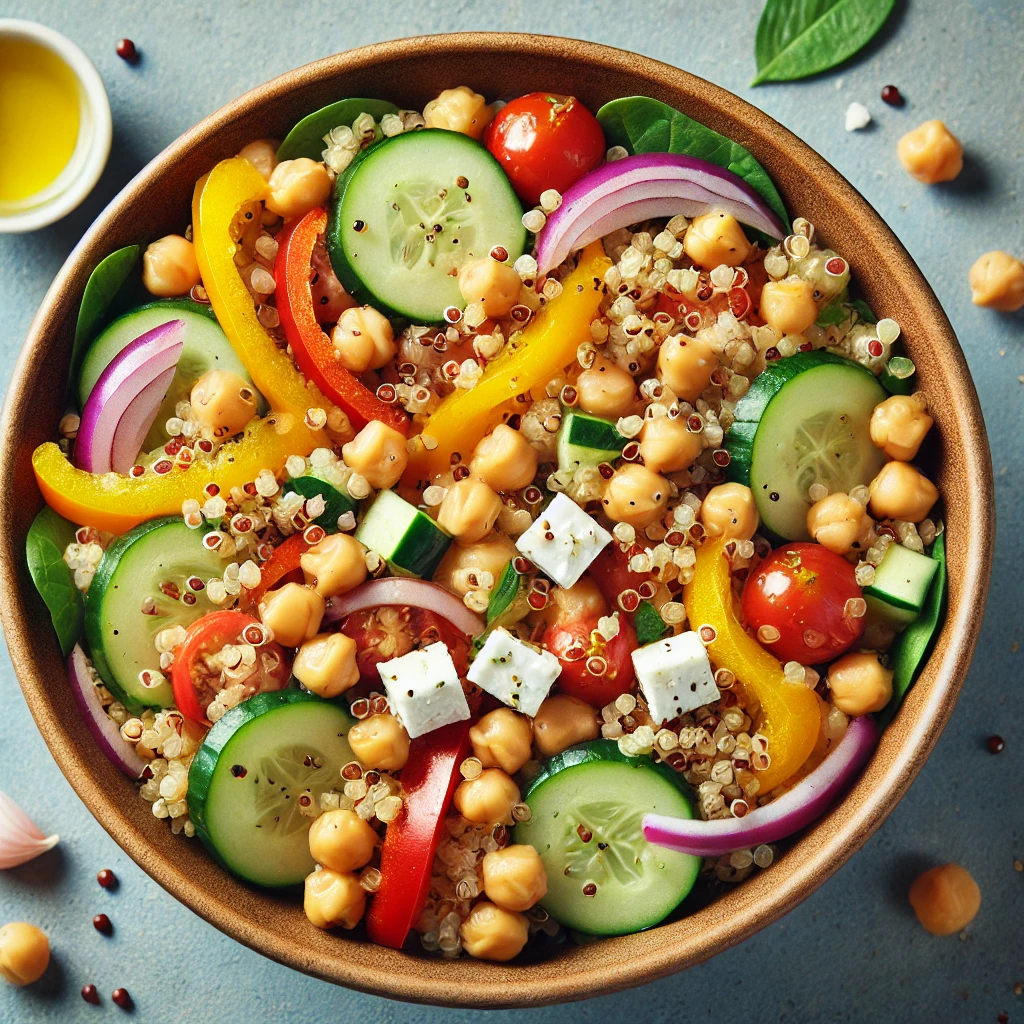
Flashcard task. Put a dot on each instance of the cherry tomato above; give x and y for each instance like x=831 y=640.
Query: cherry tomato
x=612 y=574
x=802 y=590
x=197 y=681
x=580 y=648
x=429 y=779
x=545 y=141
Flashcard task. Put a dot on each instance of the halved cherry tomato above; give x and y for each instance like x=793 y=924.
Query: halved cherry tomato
x=580 y=648
x=429 y=779
x=612 y=574
x=545 y=141
x=802 y=590
x=283 y=561
x=196 y=683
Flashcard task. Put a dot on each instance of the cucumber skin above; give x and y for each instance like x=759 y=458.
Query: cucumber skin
x=309 y=486
x=200 y=773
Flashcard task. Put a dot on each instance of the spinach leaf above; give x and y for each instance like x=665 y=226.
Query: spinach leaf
x=649 y=625
x=797 y=38
x=642 y=125
x=307 y=137
x=835 y=312
x=864 y=311
x=913 y=646
x=107 y=287
x=48 y=536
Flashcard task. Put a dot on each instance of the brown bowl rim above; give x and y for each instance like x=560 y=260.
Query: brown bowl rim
x=614 y=963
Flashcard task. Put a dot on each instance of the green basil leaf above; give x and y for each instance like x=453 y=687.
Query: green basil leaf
x=307 y=137
x=912 y=647
x=48 y=536
x=648 y=623
x=642 y=125
x=107 y=288
x=797 y=38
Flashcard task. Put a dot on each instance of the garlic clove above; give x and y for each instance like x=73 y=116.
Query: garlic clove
x=20 y=839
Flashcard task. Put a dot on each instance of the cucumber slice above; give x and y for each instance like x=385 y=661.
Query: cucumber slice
x=804 y=419
x=337 y=500
x=585 y=440
x=507 y=603
x=307 y=137
x=256 y=767
x=407 y=539
x=206 y=347
x=902 y=581
x=596 y=790
x=401 y=225
x=162 y=553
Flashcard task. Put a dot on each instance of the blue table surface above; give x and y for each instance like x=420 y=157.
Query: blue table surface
x=853 y=951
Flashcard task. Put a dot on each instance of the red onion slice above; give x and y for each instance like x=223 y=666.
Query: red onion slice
x=683 y=184
x=795 y=809
x=103 y=728
x=137 y=420
x=409 y=593
x=127 y=377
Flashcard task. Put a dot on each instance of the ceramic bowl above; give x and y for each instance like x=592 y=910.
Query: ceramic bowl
x=410 y=72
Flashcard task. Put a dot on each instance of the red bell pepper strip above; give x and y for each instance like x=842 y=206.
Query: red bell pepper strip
x=285 y=559
x=407 y=857
x=313 y=350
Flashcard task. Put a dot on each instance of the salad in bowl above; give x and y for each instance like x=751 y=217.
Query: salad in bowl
x=490 y=521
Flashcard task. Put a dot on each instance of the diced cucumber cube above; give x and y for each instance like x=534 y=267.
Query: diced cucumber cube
x=585 y=440
x=407 y=539
x=902 y=580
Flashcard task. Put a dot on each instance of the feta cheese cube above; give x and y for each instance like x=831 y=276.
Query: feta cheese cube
x=563 y=541
x=514 y=672
x=675 y=676
x=424 y=690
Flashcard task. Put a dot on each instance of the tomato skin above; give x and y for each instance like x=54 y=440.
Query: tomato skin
x=801 y=590
x=211 y=633
x=561 y=637
x=544 y=141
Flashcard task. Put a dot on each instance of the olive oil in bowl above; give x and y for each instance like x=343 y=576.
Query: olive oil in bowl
x=40 y=117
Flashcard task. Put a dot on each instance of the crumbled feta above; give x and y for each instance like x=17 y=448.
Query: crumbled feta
x=857 y=116
x=424 y=690
x=675 y=676
x=516 y=673
x=563 y=541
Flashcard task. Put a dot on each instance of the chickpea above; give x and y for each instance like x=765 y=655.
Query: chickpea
x=459 y=110
x=335 y=565
x=606 y=390
x=495 y=286
x=293 y=613
x=224 y=401
x=504 y=459
x=487 y=799
x=491 y=933
x=561 y=722
x=946 y=899
x=327 y=664
x=380 y=742
x=685 y=365
x=262 y=154
x=377 y=453
x=341 y=840
x=901 y=492
x=714 y=239
x=635 y=495
x=788 y=306
x=514 y=878
x=469 y=510
x=169 y=267
x=859 y=684
x=839 y=523
x=297 y=186
x=931 y=153
x=667 y=446
x=502 y=739
x=997 y=281
x=334 y=899
x=582 y=600
x=24 y=953
x=899 y=424
x=729 y=511
x=363 y=339
x=491 y=555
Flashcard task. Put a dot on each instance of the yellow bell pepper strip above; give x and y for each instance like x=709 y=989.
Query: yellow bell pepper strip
x=545 y=347
x=789 y=715
x=218 y=201
x=116 y=503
